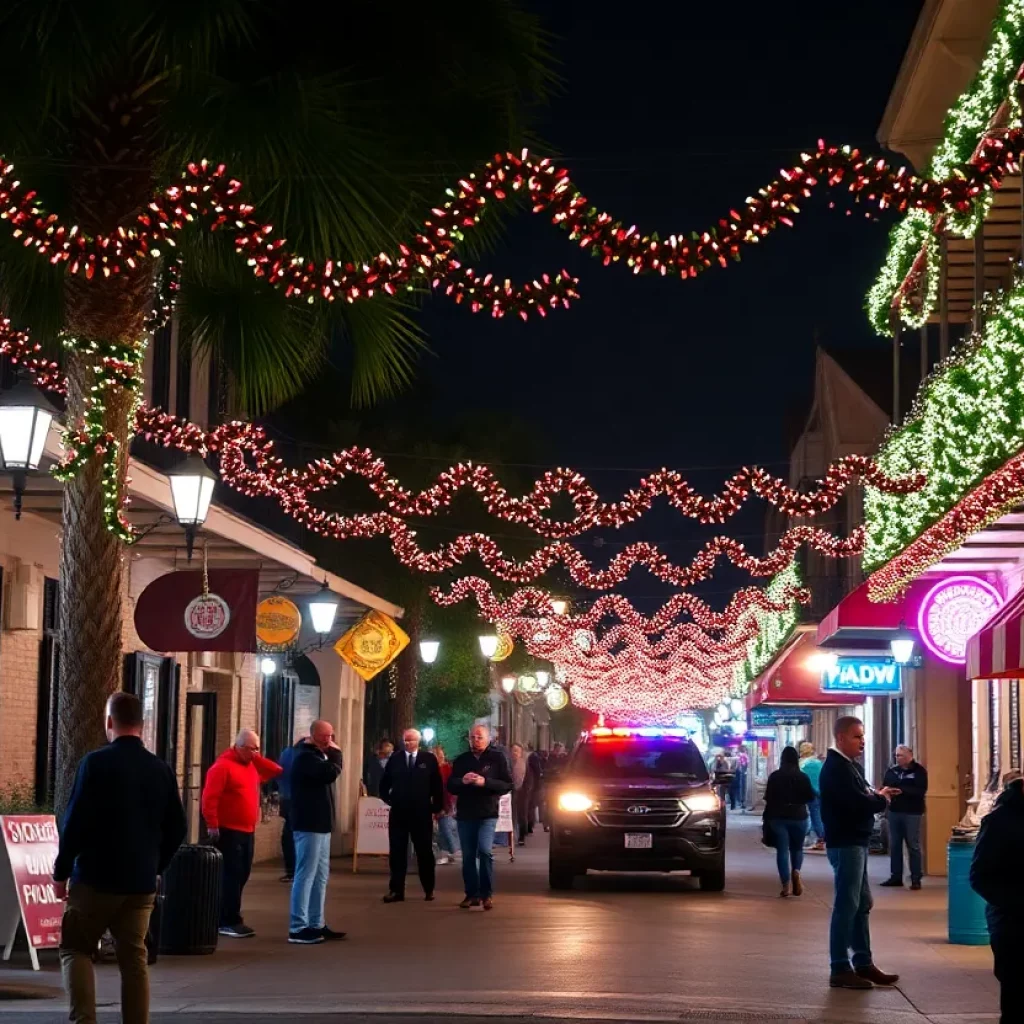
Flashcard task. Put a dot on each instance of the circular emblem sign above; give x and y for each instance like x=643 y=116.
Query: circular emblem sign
x=278 y=621
x=556 y=698
x=207 y=616
x=952 y=612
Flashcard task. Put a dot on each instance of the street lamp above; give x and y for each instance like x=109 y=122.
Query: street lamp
x=560 y=607
x=488 y=644
x=428 y=734
x=322 y=610
x=428 y=652
x=268 y=666
x=191 y=490
x=543 y=678
x=902 y=646
x=508 y=683
x=25 y=417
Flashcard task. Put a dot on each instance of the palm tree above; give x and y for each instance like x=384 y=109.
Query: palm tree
x=344 y=121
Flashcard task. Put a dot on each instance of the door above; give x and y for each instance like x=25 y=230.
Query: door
x=200 y=753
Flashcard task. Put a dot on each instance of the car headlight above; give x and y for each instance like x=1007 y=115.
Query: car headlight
x=575 y=802
x=702 y=802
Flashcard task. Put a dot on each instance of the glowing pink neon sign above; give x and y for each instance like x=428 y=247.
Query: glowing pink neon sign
x=952 y=612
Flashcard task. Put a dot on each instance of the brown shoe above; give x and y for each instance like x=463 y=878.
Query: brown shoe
x=488 y=903
x=798 y=885
x=785 y=891
x=877 y=977
x=848 y=979
x=467 y=903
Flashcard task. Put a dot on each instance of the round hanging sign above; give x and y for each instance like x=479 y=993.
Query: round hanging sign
x=207 y=616
x=505 y=647
x=278 y=621
x=952 y=612
x=556 y=698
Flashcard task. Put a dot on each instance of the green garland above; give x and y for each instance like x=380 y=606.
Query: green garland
x=967 y=421
x=966 y=123
x=774 y=630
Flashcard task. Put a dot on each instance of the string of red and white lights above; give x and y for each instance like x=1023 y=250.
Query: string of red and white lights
x=644 y=668
x=209 y=196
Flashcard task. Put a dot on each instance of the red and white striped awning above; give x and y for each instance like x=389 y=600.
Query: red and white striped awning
x=996 y=651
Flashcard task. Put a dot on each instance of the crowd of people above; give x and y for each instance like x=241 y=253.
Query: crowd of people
x=125 y=821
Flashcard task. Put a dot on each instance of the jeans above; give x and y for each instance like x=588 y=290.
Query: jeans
x=447 y=835
x=87 y=915
x=477 y=840
x=420 y=829
x=905 y=828
x=1007 y=950
x=287 y=838
x=737 y=790
x=817 y=827
x=849 y=929
x=789 y=845
x=309 y=887
x=236 y=862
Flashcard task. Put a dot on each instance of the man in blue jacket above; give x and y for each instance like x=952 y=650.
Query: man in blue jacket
x=848 y=809
x=906 y=810
x=123 y=824
x=997 y=877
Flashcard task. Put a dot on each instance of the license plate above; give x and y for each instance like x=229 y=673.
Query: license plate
x=639 y=840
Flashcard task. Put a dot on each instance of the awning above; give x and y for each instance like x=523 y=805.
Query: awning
x=793 y=678
x=859 y=621
x=996 y=651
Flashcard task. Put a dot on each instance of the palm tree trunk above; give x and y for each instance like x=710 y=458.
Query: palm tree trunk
x=403 y=707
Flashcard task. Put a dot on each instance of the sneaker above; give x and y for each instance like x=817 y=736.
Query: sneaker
x=916 y=885
x=848 y=979
x=394 y=897
x=877 y=977
x=892 y=883
x=329 y=935
x=306 y=937
x=443 y=860
x=236 y=931
x=467 y=903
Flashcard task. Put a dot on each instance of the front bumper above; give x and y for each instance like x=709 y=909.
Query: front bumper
x=697 y=845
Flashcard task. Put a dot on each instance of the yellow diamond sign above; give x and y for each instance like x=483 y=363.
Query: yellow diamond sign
x=372 y=644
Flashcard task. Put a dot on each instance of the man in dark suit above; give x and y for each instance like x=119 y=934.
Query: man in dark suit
x=411 y=786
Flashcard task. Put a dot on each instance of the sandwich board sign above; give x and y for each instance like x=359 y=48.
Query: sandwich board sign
x=27 y=895
x=371 y=829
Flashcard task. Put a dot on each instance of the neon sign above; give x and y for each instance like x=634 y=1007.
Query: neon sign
x=952 y=612
x=862 y=675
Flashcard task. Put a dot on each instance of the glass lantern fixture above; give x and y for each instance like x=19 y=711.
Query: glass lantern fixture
x=25 y=418
x=191 y=492
x=323 y=610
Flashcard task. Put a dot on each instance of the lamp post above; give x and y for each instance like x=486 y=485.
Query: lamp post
x=191 y=491
x=429 y=650
x=25 y=418
x=488 y=644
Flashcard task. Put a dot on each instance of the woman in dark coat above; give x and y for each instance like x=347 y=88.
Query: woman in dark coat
x=785 y=812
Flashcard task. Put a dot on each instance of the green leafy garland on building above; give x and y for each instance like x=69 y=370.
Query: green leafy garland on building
x=966 y=122
x=774 y=630
x=967 y=421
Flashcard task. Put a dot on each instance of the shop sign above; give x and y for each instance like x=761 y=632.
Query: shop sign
x=952 y=612
x=27 y=893
x=759 y=734
x=278 y=622
x=372 y=644
x=207 y=616
x=770 y=716
x=862 y=675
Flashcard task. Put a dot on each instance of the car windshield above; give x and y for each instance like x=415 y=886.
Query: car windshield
x=640 y=758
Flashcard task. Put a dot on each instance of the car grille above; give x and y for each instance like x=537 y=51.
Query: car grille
x=662 y=812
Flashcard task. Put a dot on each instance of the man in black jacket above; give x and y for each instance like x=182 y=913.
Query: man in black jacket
x=123 y=824
x=848 y=809
x=997 y=877
x=411 y=786
x=479 y=778
x=314 y=772
x=909 y=782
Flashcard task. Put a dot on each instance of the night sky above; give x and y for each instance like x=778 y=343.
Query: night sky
x=669 y=114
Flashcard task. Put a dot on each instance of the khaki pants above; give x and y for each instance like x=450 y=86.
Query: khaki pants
x=87 y=915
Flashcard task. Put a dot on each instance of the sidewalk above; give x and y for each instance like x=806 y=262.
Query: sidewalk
x=628 y=947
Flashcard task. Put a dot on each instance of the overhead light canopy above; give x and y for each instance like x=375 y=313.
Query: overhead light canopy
x=323 y=609
x=25 y=417
x=488 y=644
x=191 y=490
x=428 y=652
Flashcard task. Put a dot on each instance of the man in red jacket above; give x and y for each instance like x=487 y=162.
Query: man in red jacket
x=231 y=809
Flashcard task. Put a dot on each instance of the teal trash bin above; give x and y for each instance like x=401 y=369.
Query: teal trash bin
x=967 y=923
